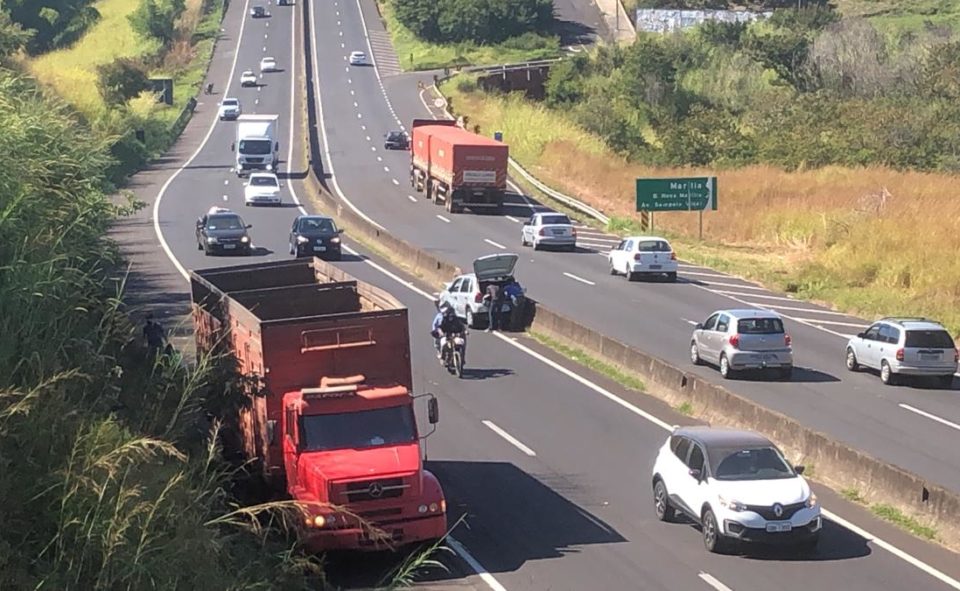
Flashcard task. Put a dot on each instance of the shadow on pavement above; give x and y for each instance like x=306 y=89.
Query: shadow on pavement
x=836 y=543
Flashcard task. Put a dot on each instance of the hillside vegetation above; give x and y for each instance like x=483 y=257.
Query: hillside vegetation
x=430 y=34
x=835 y=176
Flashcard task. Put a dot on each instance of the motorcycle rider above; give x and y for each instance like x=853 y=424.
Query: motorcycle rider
x=449 y=325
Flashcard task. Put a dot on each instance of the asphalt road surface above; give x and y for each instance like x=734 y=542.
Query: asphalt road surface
x=548 y=464
x=913 y=426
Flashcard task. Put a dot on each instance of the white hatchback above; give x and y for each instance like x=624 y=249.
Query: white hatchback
x=358 y=58
x=229 y=109
x=248 y=78
x=643 y=255
x=549 y=229
x=738 y=486
x=268 y=64
x=465 y=293
x=262 y=188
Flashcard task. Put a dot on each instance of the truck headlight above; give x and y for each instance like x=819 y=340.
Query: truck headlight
x=245 y=239
x=211 y=239
x=269 y=167
x=732 y=505
x=302 y=240
x=422 y=509
x=811 y=500
x=434 y=507
x=319 y=521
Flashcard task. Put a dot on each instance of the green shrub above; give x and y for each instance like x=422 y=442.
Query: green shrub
x=157 y=19
x=477 y=21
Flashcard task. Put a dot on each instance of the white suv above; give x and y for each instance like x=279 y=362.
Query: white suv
x=737 y=486
x=905 y=347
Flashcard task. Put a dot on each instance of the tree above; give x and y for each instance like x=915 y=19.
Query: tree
x=53 y=23
x=12 y=36
x=121 y=80
x=477 y=21
x=158 y=19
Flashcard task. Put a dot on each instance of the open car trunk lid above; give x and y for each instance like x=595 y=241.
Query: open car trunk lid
x=495 y=267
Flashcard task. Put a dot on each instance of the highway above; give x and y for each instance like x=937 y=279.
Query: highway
x=550 y=464
x=910 y=426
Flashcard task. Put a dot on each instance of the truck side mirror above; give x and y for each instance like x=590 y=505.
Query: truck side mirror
x=433 y=411
x=340 y=230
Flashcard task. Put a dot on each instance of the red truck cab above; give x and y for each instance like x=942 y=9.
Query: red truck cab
x=335 y=426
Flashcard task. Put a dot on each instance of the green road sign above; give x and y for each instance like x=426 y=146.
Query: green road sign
x=678 y=194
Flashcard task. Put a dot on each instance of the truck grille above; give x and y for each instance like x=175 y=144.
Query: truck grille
x=374 y=490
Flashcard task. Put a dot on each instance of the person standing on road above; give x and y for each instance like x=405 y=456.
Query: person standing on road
x=155 y=335
x=494 y=298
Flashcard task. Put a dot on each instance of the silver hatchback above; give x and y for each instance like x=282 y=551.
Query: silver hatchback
x=905 y=347
x=739 y=340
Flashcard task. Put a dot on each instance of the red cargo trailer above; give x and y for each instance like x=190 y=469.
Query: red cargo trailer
x=336 y=426
x=461 y=169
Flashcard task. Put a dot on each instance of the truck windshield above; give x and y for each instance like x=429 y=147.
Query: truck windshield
x=259 y=147
x=358 y=430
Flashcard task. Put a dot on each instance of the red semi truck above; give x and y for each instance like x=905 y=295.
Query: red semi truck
x=459 y=168
x=334 y=425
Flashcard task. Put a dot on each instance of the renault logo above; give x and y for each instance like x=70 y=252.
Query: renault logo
x=777 y=507
x=376 y=489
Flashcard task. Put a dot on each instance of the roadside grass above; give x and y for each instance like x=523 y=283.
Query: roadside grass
x=827 y=235
x=72 y=72
x=416 y=54
x=589 y=361
x=684 y=408
x=899 y=518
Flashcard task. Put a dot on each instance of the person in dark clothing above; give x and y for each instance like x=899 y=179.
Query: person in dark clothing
x=514 y=293
x=452 y=325
x=494 y=298
x=154 y=333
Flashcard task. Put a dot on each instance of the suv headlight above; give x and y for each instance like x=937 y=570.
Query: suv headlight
x=245 y=239
x=302 y=240
x=732 y=505
x=811 y=500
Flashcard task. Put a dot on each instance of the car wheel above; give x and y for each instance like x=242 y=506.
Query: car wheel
x=886 y=374
x=613 y=270
x=695 y=353
x=672 y=277
x=946 y=381
x=523 y=240
x=661 y=503
x=852 y=363
x=471 y=321
x=725 y=370
x=712 y=538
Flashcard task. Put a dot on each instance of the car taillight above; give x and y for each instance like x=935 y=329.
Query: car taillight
x=543 y=231
x=673 y=256
x=735 y=341
x=636 y=257
x=478 y=297
x=787 y=340
x=899 y=354
x=573 y=231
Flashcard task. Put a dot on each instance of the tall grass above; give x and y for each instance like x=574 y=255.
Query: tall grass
x=827 y=234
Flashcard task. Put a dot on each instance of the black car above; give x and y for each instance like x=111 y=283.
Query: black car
x=396 y=140
x=220 y=231
x=315 y=235
x=258 y=12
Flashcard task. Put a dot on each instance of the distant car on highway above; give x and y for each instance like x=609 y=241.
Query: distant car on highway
x=396 y=140
x=739 y=340
x=643 y=255
x=316 y=235
x=229 y=109
x=268 y=64
x=738 y=486
x=465 y=293
x=358 y=58
x=549 y=229
x=262 y=188
x=908 y=347
x=248 y=78
x=221 y=231
x=258 y=11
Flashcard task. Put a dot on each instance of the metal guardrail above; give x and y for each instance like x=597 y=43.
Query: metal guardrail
x=511 y=67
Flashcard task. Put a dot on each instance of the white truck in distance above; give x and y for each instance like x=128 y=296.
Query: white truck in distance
x=256 y=145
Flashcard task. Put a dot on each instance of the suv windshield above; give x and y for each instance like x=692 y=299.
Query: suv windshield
x=230 y=102
x=653 y=246
x=760 y=326
x=764 y=463
x=555 y=219
x=254 y=147
x=358 y=430
x=928 y=339
x=224 y=222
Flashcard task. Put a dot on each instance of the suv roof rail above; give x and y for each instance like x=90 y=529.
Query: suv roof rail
x=908 y=319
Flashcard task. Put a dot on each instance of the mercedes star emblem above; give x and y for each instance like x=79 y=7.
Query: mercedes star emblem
x=376 y=489
x=777 y=507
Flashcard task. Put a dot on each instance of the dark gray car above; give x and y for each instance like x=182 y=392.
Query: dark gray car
x=396 y=140
x=223 y=232
x=315 y=235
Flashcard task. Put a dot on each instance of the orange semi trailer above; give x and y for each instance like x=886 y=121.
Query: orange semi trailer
x=459 y=168
x=336 y=426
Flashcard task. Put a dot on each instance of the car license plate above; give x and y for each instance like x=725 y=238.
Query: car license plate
x=229 y=246
x=656 y=266
x=779 y=526
x=769 y=357
x=320 y=248
x=929 y=356
x=558 y=232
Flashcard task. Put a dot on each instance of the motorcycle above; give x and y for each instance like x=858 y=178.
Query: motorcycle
x=452 y=353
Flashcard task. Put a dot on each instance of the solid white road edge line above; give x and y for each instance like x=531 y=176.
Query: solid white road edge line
x=713 y=582
x=485 y=576
x=510 y=438
x=930 y=416
x=376 y=68
x=206 y=138
x=323 y=125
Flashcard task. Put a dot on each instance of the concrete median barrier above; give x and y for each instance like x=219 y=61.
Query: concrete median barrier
x=837 y=464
